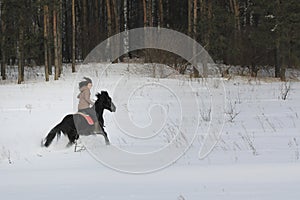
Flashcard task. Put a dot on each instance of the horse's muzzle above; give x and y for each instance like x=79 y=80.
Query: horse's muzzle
x=113 y=107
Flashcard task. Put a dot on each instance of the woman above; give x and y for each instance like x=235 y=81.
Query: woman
x=85 y=102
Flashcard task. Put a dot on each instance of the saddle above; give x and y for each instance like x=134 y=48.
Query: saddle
x=88 y=118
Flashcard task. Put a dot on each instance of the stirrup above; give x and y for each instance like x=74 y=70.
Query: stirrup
x=96 y=132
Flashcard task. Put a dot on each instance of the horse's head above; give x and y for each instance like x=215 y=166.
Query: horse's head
x=104 y=102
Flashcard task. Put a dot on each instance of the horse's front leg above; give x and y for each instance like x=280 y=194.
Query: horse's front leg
x=107 y=142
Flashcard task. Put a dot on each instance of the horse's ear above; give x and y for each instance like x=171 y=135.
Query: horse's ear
x=98 y=95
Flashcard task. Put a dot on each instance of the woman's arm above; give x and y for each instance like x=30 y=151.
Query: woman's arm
x=87 y=96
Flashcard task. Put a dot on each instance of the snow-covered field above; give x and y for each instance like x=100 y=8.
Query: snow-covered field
x=257 y=155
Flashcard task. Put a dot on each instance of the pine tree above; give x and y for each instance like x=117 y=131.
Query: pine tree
x=3 y=39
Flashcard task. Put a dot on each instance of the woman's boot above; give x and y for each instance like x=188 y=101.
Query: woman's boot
x=97 y=128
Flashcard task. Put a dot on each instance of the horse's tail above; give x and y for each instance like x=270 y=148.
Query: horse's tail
x=51 y=135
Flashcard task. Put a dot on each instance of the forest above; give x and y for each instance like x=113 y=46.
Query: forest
x=247 y=33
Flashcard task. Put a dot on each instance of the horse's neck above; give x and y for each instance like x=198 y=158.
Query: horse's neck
x=100 y=117
x=99 y=114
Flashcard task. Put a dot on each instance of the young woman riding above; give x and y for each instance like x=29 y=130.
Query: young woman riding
x=85 y=102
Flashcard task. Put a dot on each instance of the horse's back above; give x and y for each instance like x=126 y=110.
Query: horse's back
x=82 y=125
x=67 y=123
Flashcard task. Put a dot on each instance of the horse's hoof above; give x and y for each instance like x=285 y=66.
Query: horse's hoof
x=70 y=144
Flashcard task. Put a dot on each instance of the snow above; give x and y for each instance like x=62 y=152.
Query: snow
x=158 y=130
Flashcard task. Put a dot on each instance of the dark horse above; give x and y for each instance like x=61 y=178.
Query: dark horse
x=74 y=125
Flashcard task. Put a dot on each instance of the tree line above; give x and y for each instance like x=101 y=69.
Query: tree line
x=248 y=33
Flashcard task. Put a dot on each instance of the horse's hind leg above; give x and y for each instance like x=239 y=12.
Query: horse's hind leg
x=72 y=135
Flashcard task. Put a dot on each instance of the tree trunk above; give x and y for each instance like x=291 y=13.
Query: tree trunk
x=161 y=14
x=190 y=21
x=282 y=73
x=284 y=49
x=49 y=41
x=55 y=43
x=202 y=8
x=3 y=40
x=150 y=16
x=126 y=26
x=145 y=13
x=46 y=15
x=109 y=21
x=109 y=27
x=204 y=24
x=195 y=6
x=117 y=28
x=97 y=20
x=59 y=37
x=195 y=20
x=73 y=36
x=231 y=6
x=149 y=13
x=21 y=50
x=278 y=60
x=209 y=26
x=237 y=14
x=116 y=15
x=234 y=8
x=67 y=29
x=283 y=58
x=85 y=35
